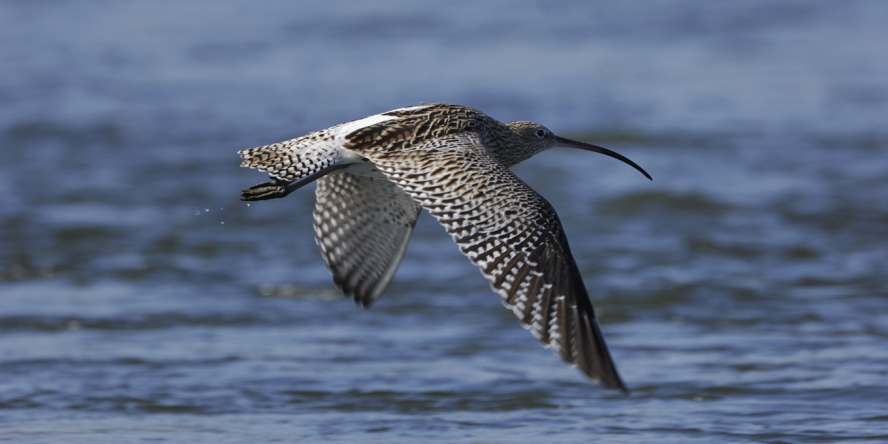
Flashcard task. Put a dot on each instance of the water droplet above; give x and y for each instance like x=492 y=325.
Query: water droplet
x=223 y=223
x=206 y=210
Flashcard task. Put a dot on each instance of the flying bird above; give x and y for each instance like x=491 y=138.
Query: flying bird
x=375 y=175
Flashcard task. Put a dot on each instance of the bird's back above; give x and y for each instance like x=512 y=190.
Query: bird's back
x=402 y=129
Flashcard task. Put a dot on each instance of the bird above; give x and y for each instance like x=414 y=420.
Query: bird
x=375 y=174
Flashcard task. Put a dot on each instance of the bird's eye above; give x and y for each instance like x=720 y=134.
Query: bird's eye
x=541 y=133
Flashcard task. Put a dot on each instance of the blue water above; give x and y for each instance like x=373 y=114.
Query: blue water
x=743 y=292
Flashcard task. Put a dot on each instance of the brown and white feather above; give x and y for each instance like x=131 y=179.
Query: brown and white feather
x=453 y=161
x=512 y=234
x=363 y=225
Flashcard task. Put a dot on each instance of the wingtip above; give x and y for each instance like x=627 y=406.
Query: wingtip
x=617 y=385
x=600 y=365
x=609 y=378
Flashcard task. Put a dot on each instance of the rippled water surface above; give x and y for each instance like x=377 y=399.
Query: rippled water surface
x=743 y=292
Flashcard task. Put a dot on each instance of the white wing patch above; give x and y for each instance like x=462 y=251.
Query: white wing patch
x=354 y=125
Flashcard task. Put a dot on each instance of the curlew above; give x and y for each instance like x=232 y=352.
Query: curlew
x=375 y=174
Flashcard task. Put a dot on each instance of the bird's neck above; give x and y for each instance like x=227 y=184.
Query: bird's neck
x=505 y=145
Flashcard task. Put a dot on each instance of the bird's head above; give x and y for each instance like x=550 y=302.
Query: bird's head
x=534 y=138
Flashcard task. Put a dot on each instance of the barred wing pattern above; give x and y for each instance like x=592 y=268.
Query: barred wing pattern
x=513 y=234
x=363 y=225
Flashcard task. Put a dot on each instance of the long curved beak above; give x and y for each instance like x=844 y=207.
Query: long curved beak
x=567 y=143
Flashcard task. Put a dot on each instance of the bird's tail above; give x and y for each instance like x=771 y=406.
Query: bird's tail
x=294 y=163
x=282 y=160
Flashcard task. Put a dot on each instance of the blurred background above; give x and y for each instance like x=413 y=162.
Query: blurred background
x=743 y=291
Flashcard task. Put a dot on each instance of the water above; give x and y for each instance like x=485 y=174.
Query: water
x=743 y=292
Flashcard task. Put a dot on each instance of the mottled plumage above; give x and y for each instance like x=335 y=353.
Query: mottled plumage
x=375 y=173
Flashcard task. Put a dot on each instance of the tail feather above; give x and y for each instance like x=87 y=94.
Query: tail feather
x=295 y=159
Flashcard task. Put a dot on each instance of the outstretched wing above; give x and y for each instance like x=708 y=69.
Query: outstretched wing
x=363 y=225
x=514 y=236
